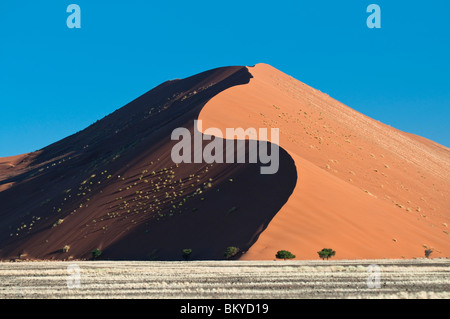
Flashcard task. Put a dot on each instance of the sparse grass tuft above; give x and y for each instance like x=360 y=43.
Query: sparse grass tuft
x=58 y=222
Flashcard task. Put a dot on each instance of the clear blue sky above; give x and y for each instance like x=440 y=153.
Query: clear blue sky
x=55 y=81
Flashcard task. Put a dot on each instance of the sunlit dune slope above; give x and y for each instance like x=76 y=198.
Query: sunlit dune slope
x=365 y=189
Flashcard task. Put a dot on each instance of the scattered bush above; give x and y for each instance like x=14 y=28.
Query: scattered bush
x=326 y=253
x=58 y=222
x=96 y=253
x=428 y=252
x=284 y=254
x=153 y=255
x=187 y=254
x=65 y=249
x=231 y=252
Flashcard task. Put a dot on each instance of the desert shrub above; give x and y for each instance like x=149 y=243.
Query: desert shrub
x=153 y=255
x=284 y=254
x=428 y=252
x=231 y=252
x=65 y=249
x=187 y=254
x=96 y=253
x=326 y=253
x=58 y=222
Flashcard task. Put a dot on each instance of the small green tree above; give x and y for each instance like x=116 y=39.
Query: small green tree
x=231 y=252
x=96 y=253
x=428 y=252
x=284 y=254
x=187 y=254
x=326 y=253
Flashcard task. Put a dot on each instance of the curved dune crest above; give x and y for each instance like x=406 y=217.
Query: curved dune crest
x=345 y=181
x=365 y=189
x=114 y=186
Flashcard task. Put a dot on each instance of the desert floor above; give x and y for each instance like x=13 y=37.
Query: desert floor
x=418 y=278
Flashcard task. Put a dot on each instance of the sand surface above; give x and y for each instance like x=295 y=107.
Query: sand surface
x=227 y=279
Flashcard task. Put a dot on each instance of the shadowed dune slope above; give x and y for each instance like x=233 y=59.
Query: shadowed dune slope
x=114 y=186
x=364 y=188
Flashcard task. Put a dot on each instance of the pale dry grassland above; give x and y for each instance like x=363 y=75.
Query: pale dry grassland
x=418 y=278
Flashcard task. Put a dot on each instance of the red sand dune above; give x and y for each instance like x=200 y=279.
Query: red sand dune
x=113 y=186
x=364 y=188
x=345 y=181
